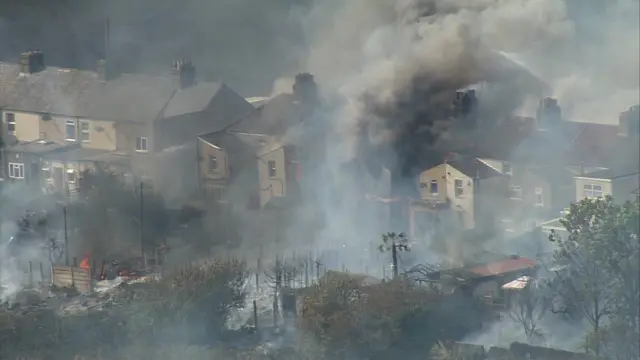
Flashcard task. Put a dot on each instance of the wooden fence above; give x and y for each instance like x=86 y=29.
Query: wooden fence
x=67 y=276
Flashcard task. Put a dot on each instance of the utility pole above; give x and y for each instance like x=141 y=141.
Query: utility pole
x=144 y=258
x=66 y=237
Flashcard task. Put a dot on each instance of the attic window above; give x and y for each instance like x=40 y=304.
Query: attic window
x=85 y=134
x=515 y=192
x=70 y=130
x=459 y=190
x=433 y=187
x=506 y=169
x=10 y=119
x=141 y=144
x=213 y=163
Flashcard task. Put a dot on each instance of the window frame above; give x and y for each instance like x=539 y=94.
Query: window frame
x=592 y=190
x=508 y=225
x=67 y=124
x=506 y=166
x=432 y=184
x=12 y=166
x=10 y=120
x=272 y=169
x=71 y=177
x=539 y=195
x=82 y=131
x=456 y=187
x=515 y=189
x=213 y=159
x=139 y=141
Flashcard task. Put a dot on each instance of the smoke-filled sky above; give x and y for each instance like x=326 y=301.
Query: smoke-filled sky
x=586 y=49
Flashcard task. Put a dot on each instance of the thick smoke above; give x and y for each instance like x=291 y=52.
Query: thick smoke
x=396 y=66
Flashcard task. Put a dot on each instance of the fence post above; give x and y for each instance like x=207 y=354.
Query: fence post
x=73 y=277
x=30 y=274
x=255 y=314
x=41 y=275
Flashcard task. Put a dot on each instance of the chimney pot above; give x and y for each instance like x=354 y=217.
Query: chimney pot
x=548 y=112
x=305 y=88
x=31 y=62
x=629 y=121
x=104 y=70
x=184 y=72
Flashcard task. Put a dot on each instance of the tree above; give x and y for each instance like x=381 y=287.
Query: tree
x=527 y=308
x=196 y=298
x=599 y=263
x=113 y=216
x=394 y=242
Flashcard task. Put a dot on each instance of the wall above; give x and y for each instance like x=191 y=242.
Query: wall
x=580 y=182
x=205 y=151
x=445 y=176
x=276 y=186
x=526 y=211
x=464 y=203
x=126 y=134
x=624 y=186
x=26 y=125
x=102 y=133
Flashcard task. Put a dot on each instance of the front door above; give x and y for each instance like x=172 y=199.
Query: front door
x=58 y=178
x=34 y=173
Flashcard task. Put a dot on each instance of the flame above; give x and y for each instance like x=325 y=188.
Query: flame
x=85 y=262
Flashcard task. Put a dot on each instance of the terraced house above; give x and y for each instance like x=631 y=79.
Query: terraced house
x=124 y=121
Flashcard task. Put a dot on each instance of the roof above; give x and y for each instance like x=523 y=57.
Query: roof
x=80 y=93
x=274 y=117
x=475 y=168
x=518 y=284
x=610 y=174
x=503 y=267
x=517 y=139
x=233 y=142
x=40 y=146
x=82 y=154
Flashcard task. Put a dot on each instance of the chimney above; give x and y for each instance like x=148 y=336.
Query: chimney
x=465 y=105
x=184 y=73
x=31 y=62
x=548 y=113
x=305 y=89
x=629 y=122
x=104 y=70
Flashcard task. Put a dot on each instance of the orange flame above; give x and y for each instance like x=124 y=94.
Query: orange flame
x=85 y=262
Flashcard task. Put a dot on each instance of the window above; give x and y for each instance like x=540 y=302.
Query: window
x=459 y=191
x=434 y=187
x=85 y=134
x=16 y=171
x=506 y=169
x=141 y=144
x=272 y=168
x=11 y=123
x=213 y=163
x=515 y=192
x=507 y=225
x=592 y=191
x=46 y=173
x=71 y=176
x=539 y=197
x=70 y=129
